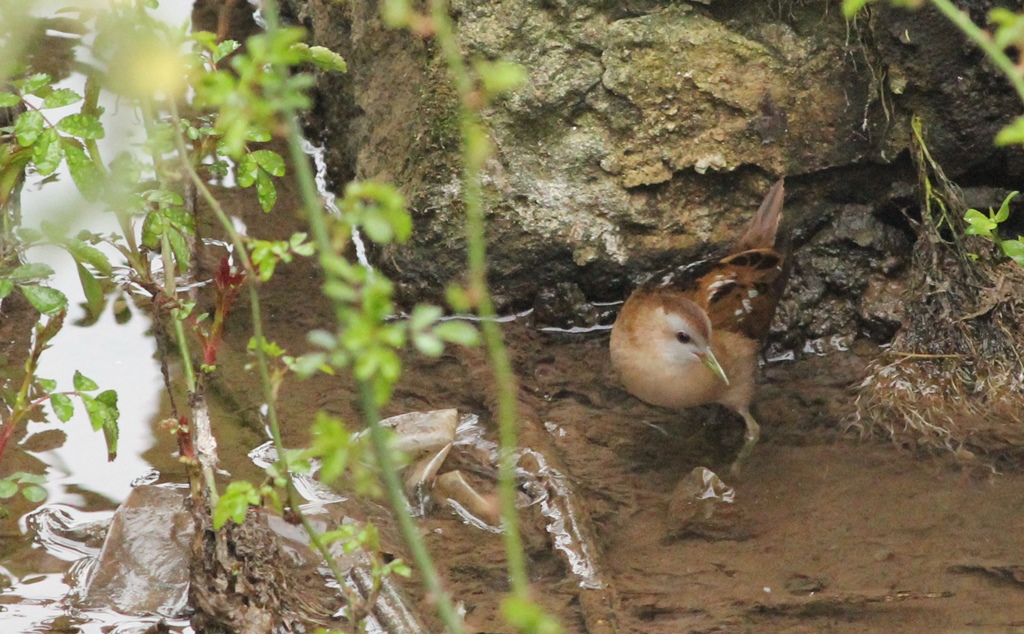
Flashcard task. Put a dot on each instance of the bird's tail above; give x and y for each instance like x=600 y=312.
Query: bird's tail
x=761 y=232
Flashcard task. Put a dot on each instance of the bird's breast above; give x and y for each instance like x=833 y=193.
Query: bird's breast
x=647 y=374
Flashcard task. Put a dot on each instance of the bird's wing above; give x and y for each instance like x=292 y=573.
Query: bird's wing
x=741 y=293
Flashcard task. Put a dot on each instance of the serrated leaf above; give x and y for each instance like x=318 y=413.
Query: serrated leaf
x=46 y=153
x=94 y=298
x=165 y=197
x=152 y=227
x=88 y=254
x=45 y=299
x=266 y=192
x=8 y=99
x=83 y=126
x=60 y=98
x=28 y=127
x=30 y=271
x=233 y=505
x=83 y=383
x=63 y=407
x=270 y=161
x=84 y=172
x=34 y=493
x=103 y=415
x=179 y=247
x=247 y=171
x=225 y=48
x=46 y=385
x=33 y=83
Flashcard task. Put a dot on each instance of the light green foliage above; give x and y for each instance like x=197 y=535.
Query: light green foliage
x=235 y=503
x=27 y=483
x=980 y=224
x=527 y=617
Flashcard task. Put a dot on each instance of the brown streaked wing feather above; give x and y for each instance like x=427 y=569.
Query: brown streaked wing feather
x=740 y=295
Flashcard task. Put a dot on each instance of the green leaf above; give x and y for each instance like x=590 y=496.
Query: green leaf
x=397 y=14
x=423 y=316
x=6 y=286
x=103 y=415
x=458 y=331
x=46 y=153
x=46 y=385
x=33 y=83
x=28 y=127
x=224 y=49
x=376 y=226
x=60 y=98
x=428 y=344
x=83 y=126
x=88 y=176
x=88 y=254
x=265 y=191
x=1013 y=134
x=8 y=488
x=234 y=504
x=94 y=298
x=8 y=99
x=31 y=271
x=62 y=406
x=978 y=223
x=1014 y=249
x=1004 y=209
x=247 y=171
x=83 y=383
x=34 y=493
x=528 y=617
x=327 y=59
x=499 y=77
x=852 y=7
x=270 y=161
x=165 y=197
x=44 y=299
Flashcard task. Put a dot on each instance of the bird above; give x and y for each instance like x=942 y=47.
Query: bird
x=690 y=335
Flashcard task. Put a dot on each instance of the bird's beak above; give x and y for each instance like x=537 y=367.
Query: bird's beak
x=709 y=360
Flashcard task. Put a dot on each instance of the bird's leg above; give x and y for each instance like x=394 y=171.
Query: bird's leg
x=750 y=439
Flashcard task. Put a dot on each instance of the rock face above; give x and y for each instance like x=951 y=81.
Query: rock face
x=648 y=132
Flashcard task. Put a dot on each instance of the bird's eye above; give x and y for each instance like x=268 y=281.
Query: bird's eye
x=682 y=337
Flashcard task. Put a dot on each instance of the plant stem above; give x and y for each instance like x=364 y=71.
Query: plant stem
x=476 y=246
x=406 y=523
x=318 y=227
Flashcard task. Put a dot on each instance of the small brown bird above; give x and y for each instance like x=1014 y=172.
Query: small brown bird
x=690 y=336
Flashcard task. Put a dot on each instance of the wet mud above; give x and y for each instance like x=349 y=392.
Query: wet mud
x=828 y=532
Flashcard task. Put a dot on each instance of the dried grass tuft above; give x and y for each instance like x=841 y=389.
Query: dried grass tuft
x=953 y=378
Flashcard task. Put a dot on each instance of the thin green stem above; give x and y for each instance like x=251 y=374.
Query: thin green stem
x=406 y=523
x=984 y=41
x=476 y=247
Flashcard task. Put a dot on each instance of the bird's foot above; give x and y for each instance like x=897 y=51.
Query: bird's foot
x=749 y=441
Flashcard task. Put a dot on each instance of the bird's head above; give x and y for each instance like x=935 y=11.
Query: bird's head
x=686 y=331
